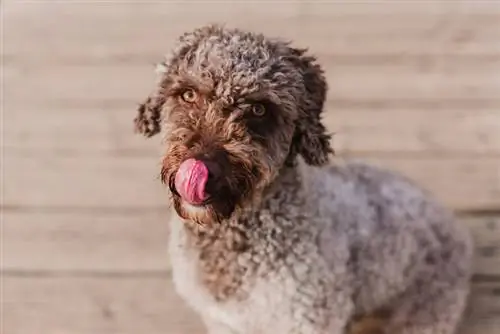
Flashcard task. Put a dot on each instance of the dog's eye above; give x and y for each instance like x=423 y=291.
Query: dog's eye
x=258 y=109
x=189 y=96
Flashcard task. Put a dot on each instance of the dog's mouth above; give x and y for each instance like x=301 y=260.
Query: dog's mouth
x=200 y=183
x=190 y=181
x=207 y=187
x=206 y=200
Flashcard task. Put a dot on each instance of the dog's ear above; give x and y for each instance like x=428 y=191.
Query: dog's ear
x=311 y=139
x=148 y=117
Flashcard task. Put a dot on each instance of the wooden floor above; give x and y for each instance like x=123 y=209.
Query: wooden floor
x=414 y=86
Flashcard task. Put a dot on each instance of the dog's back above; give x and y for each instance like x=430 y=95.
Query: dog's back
x=400 y=238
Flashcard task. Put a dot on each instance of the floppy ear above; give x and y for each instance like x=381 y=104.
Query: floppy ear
x=148 y=117
x=311 y=139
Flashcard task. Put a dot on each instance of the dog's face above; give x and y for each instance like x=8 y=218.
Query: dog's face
x=236 y=107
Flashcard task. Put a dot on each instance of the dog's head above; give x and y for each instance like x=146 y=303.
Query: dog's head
x=236 y=107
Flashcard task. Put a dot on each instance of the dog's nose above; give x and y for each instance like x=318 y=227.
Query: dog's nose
x=214 y=170
x=214 y=161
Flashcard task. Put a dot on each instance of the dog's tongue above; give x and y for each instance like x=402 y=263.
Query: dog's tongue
x=190 y=181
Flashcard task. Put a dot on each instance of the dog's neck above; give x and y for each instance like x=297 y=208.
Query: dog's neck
x=273 y=223
x=286 y=185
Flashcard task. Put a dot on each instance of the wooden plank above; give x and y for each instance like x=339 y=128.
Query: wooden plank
x=85 y=241
x=77 y=131
x=77 y=83
x=325 y=9
x=60 y=242
x=63 y=129
x=128 y=305
x=415 y=131
x=391 y=82
x=109 y=130
x=483 y=310
x=461 y=183
x=486 y=234
x=87 y=182
x=145 y=305
x=47 y=180
x=49 y=85
x=339 y=28
x=447 y=27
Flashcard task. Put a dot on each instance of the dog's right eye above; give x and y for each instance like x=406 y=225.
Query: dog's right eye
x=189 y=96
x=258 y=109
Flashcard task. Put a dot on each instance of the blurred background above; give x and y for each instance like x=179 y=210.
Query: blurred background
x=414 y=86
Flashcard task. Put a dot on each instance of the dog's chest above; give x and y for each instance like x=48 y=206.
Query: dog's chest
x=238 y=291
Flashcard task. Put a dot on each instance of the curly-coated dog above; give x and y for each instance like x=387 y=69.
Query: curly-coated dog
x=268 y=235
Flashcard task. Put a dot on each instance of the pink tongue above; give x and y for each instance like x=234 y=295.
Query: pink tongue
x=190 y=181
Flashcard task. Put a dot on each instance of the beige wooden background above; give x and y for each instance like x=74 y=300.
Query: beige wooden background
x=414 y=86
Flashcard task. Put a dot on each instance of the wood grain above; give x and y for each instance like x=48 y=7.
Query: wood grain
x=429 y=80
x=89 y=305
x=131 y=182
x=98 y=182
x=85 y=242
x=483 y=310
x=486 y=234
x=440 y=27
x=462 y=183
x=415 y=131
x=101 y=130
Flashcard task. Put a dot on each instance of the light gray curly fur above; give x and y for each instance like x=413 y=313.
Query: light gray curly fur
x=292 y=243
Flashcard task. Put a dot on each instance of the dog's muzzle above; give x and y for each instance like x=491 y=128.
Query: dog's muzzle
x=198 y=180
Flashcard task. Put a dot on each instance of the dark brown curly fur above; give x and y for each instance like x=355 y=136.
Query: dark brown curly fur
x=247 y=151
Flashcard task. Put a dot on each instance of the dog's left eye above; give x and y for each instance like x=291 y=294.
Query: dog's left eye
x=189 y=96
x=258 y=109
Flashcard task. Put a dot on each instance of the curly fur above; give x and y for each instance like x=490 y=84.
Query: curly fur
x=288 y=242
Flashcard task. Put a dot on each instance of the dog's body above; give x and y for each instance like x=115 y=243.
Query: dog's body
x=267 y=236
x=327 y=245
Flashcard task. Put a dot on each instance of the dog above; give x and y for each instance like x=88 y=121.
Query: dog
x=268 y=235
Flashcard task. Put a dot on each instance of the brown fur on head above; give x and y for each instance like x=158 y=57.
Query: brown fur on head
x=243 y=104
